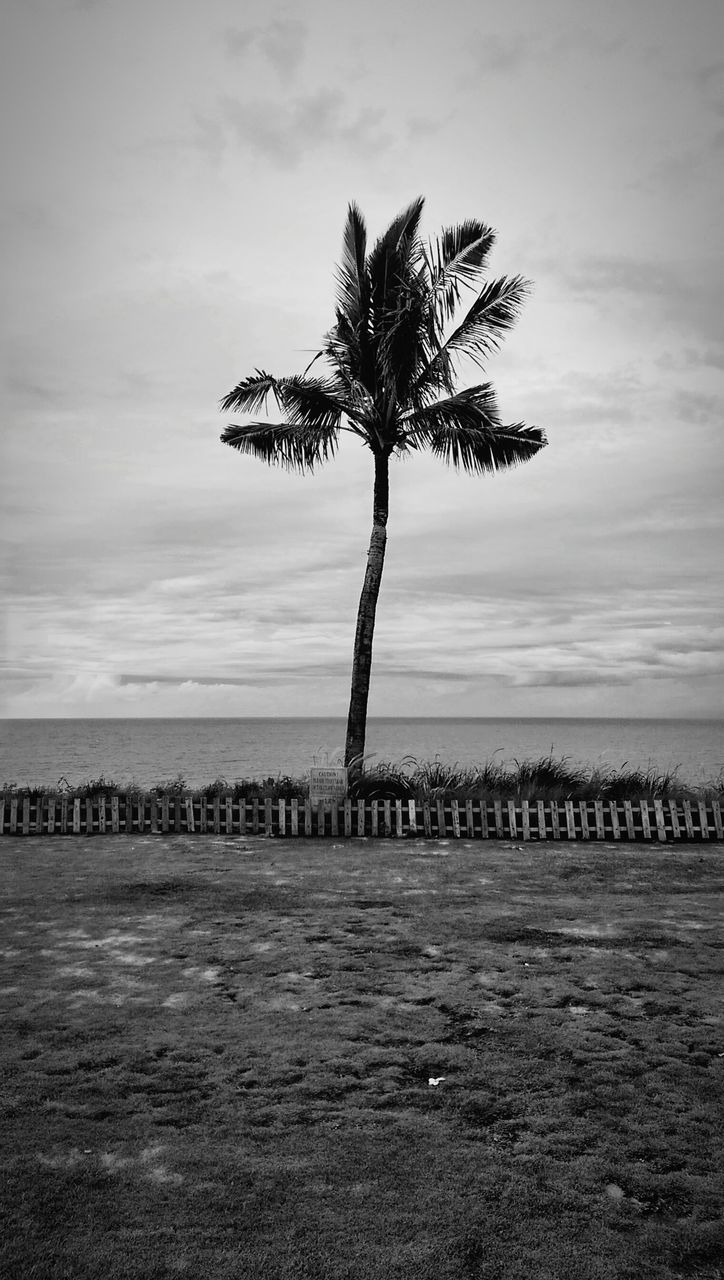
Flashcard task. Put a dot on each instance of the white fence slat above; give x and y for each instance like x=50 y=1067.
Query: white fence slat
x=398 y=818
x=525 y=812
x=427 y=818
x=484 y=829
x=374 y=818
x=555 y=820
x=583 y=811
x=455 y=813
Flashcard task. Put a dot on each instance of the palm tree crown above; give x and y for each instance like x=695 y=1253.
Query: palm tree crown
x=391 y=365
x=391 y=357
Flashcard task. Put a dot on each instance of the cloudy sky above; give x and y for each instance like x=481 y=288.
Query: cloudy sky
x=176 y=177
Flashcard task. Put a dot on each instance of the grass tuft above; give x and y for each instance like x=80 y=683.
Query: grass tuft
x=546 y=778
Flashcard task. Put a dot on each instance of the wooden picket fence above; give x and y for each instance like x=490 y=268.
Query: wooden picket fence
x=477 y=818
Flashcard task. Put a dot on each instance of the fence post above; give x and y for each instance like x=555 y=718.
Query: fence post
x=455 y=814
x=583 y=810
x=484 y=830
x=525 y=818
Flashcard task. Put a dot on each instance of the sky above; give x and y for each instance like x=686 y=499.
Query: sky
x=176 y=180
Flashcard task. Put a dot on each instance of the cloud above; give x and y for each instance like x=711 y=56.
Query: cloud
x=691 y=358
x=500 y=54
x=281 y=43
x=283 y=133
x=710 y=80
x=688 y=293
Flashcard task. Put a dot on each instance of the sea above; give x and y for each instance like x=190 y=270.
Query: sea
x=151 y=751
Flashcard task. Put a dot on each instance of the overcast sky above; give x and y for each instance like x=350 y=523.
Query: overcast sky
x=176 y=175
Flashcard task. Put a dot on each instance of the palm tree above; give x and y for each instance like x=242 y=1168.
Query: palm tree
x=391 y=371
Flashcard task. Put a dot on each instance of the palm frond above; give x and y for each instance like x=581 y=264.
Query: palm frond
x=403 y=228
x=313 y=403
x=465 y=431
x=351 y=281
x=389 y=265
x=282 y=444
x=481 y=330
x=251 y=393
x=491 y=316
x=457 y=257
x=403 y=348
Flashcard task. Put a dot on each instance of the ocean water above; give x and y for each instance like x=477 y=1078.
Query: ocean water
x=41 y=752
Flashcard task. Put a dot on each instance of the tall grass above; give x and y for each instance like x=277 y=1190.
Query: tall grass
x=546 y=778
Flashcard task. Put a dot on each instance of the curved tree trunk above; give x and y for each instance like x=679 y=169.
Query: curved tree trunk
x=362 y=661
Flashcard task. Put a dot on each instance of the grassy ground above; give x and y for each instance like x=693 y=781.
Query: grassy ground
x=219 y=1058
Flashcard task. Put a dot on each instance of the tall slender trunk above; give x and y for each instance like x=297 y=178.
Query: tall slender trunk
x=362 y=661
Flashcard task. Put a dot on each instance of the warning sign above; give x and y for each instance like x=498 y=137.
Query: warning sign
x=327 y=784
